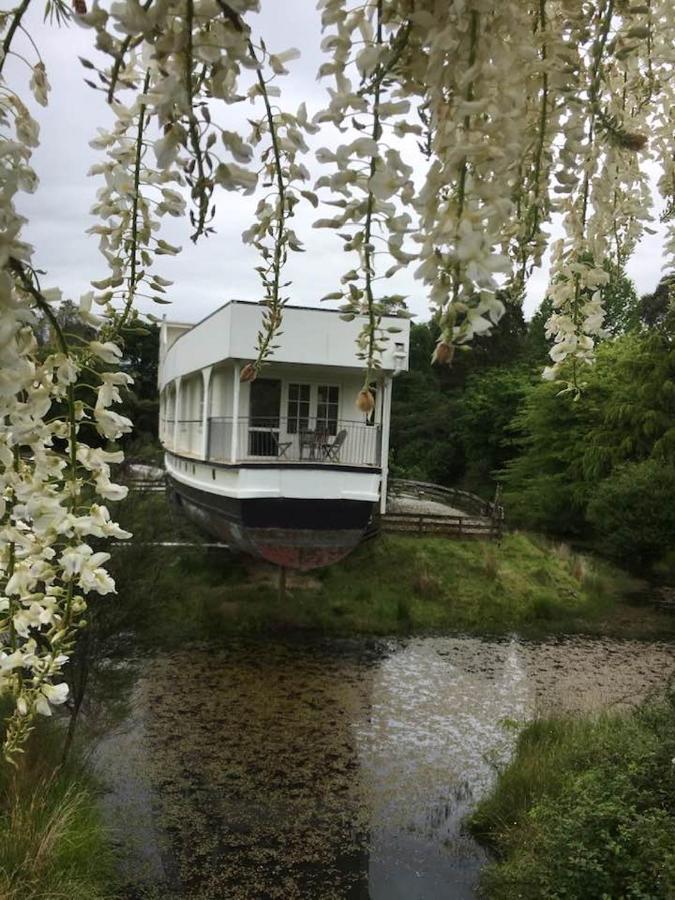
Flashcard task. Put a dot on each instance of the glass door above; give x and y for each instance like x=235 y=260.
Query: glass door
x=263 y=422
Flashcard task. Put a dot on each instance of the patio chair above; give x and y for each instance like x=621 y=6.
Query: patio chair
x=282 y=448
x=332 y=451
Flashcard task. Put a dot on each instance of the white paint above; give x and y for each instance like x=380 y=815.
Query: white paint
x=236 y=388
x=313 y=337
x=386 y=420
x=297 y=482
x=206 y=405
x=177 y=410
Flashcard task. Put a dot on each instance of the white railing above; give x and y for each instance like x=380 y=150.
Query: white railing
x=338 y=442
x=188 y=437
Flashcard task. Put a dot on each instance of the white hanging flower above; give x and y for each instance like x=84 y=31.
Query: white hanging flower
x=108 y=352
x=39 y=84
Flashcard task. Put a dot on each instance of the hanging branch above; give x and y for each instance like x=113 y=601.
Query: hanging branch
x=11 y=31
x=129 y=43
x=534 y=210
x=203 y=188
x=133 y=250
x=369 y=329
x=273 y=315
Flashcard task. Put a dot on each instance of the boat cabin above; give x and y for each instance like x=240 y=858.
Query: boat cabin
x=285 y=466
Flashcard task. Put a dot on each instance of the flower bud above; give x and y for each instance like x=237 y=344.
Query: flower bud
x=633 y=140
x=365 y=401
x=443 y=353
x=248 y=373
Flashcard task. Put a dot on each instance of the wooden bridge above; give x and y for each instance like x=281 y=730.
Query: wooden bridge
x=422 y=508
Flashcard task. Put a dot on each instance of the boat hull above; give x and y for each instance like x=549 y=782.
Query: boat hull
x=294 y=533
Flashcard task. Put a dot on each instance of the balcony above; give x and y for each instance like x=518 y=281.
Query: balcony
x=340 y=442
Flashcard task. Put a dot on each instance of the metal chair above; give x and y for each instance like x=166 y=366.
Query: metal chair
x=282 y=448
x=332 y=451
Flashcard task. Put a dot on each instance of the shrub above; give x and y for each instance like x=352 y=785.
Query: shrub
x=633 y=513
x=585 y=810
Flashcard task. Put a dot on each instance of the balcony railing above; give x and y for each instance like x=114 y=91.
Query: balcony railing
x=338 y=442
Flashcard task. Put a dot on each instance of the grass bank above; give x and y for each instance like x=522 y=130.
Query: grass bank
x=393 y=584
x=53 y=845
x=585 y=810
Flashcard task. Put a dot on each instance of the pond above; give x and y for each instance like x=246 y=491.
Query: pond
x=336 y=768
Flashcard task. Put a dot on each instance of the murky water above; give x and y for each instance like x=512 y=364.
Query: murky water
x=337 y=769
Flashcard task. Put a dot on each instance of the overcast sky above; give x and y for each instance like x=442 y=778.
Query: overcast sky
x=221 y=267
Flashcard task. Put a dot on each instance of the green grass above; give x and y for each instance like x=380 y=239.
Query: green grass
x=53 y=845
x=586 y=809
x=391 y=585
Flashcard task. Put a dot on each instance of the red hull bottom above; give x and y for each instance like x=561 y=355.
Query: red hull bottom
x=292 y=547
x=284 y=550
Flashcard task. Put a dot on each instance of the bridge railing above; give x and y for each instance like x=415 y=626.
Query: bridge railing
x=464 y=501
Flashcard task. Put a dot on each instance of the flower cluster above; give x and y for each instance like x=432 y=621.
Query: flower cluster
x=51 y=480
x=531 y=109
x=284 y=173
x=194 y=56
x=478 y=60
x=371 y=183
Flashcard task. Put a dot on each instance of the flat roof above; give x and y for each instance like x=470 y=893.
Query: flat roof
x=322 y=309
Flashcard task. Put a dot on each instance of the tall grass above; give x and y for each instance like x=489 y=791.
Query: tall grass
x=52 y=843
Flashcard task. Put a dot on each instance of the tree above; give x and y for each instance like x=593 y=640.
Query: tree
x=568 y=448
x=488 y=406
x=633 y=513
x=657 y=310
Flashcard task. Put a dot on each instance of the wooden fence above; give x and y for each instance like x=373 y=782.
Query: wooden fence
x=483 y=519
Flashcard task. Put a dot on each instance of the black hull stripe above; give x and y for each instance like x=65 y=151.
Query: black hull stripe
x=282 y=512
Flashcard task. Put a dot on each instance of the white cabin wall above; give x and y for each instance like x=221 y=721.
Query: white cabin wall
x=315 y=338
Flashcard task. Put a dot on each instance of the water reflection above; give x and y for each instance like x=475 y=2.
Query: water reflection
x=428 y=751
x=340 y=769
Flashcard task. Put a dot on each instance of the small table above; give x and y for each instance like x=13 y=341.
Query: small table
x=314 y=440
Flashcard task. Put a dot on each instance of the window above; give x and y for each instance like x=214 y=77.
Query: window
x=327 y=408
x=298 y=408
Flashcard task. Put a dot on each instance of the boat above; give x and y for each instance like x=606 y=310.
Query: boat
x=284 y=467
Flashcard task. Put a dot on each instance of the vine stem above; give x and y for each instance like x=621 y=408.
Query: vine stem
x=134 y=211
x=593 y=103
x=11 y=31
x=281 y=212
x=19 y=270
x=541 y=140
x=275 y=305
x=192 y=123
x=369 y=270
x=398 y=45
x=127 y=43
x=461 y=188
